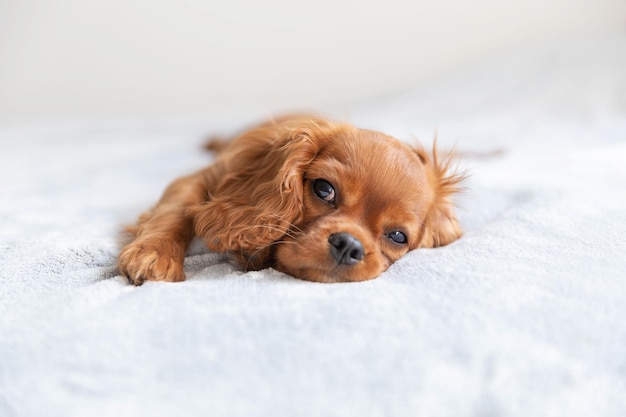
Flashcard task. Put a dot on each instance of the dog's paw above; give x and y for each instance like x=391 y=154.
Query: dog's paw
x=145 y=261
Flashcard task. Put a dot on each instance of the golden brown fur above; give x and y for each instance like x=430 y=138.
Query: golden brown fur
x=267 y=202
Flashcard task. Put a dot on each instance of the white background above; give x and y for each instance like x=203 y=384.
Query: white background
x=94 y=59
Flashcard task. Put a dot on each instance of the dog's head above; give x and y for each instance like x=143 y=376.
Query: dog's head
x=327 y=202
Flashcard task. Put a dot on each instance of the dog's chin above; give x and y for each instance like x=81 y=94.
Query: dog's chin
x=335 y=275
x=325 y=270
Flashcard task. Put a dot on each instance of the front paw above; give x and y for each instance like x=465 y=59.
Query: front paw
x=145 y=261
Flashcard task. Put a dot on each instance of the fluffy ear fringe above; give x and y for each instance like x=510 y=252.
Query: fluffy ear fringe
x=259 y=195
x=441 y=225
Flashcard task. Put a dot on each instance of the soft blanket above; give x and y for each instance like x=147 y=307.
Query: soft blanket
x=523 y=316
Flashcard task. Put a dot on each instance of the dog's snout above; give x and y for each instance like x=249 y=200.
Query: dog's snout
x=346 y=249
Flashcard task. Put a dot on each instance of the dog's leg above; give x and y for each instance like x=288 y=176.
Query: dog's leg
x=163 y=234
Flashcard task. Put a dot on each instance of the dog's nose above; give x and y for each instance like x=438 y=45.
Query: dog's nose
x=346 y=249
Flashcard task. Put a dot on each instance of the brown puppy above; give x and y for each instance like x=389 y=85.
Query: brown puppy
x=319 y=200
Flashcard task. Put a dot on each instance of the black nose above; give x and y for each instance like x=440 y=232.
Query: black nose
x=346 y=249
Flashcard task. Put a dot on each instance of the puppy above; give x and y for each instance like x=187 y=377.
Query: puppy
x=319 y=200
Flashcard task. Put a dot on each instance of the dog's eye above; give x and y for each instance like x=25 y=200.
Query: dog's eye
x=324 y=190
x=397 y=237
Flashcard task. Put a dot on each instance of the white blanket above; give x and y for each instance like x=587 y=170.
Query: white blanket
x=523 y=316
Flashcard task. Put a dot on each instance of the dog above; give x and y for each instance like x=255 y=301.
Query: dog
x=317 y=199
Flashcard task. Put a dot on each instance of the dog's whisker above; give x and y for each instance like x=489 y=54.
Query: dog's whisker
x=285 y=231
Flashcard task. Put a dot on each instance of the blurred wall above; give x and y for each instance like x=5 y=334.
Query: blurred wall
x=85 y=59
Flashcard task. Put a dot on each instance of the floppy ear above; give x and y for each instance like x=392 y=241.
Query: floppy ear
x=440 y=225
x=259 y=193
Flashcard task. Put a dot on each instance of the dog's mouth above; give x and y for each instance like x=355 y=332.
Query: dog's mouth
x=327 y=271
x=330 y=252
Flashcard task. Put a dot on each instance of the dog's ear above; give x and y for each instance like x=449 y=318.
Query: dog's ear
x=260 y=193
x=440 y=225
